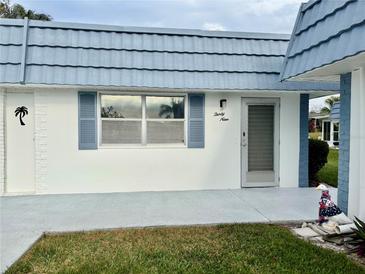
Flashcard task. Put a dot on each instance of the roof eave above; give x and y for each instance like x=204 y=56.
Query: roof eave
x=147 y=30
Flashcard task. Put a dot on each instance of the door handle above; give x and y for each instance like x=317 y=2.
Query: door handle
x=244 y=139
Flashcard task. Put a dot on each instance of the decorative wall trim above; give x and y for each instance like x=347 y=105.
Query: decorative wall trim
x=41 y=140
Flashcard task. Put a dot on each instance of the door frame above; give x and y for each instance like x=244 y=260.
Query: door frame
x=245 y=102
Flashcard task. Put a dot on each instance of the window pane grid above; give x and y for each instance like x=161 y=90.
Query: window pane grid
x=172 y=120
x=336 y=129
x=120 y=119
x=168 y=107
x=121 y=132
x=168 y=131
x=326 y=130
x=121 y=106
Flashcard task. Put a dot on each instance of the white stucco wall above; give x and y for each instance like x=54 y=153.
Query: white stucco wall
x=2 y=142
x=289 y=140
x=357 y=146
x=62 y=168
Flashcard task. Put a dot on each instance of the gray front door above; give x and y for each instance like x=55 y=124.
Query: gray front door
x=259 y=141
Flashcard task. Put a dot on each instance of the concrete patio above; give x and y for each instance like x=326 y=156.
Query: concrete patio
x=25 y=218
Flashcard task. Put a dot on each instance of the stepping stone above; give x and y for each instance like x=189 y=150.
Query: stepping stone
x=305 y=232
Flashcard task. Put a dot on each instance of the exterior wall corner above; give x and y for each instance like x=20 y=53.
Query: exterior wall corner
x=356 y=187
x=289 y=140
x=2 y=141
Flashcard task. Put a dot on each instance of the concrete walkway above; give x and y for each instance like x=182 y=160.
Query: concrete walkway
x=25 y=218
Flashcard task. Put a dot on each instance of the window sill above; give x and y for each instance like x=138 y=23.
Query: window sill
x=157 y=146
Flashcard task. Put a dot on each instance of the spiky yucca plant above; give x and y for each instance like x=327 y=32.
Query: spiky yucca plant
x=360 y=237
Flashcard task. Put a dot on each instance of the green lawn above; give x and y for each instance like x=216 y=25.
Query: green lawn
x=329 y=173
x=239 y=248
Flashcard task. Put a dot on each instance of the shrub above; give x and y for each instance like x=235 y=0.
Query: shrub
x=318 y=152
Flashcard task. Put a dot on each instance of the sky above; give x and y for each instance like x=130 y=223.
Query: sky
x=276 y=16
x=235 y=15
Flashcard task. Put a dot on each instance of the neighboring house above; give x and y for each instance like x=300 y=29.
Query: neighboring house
x=328 y=44
x=108 y=109
x=328 y=124
x=316 y=121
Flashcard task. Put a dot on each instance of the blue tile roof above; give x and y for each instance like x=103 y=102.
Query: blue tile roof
x=53 y=53
x=326 y=31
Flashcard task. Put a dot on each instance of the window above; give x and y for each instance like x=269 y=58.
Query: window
x=336 y=129
x=130 y=119
x=121 y=119
x=165 y=119
x=326 y=131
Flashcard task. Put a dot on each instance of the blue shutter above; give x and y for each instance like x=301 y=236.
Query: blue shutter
x=87 y=120
x=196 y=121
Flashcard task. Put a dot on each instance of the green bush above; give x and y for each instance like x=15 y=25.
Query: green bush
x=318 y=152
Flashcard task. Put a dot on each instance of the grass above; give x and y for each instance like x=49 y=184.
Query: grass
x=238 y=248
x=329 y=173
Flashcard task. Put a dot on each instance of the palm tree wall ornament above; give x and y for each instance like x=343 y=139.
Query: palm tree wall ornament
x=21 y=112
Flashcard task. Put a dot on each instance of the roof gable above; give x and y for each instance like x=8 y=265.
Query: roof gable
x=326 y=31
